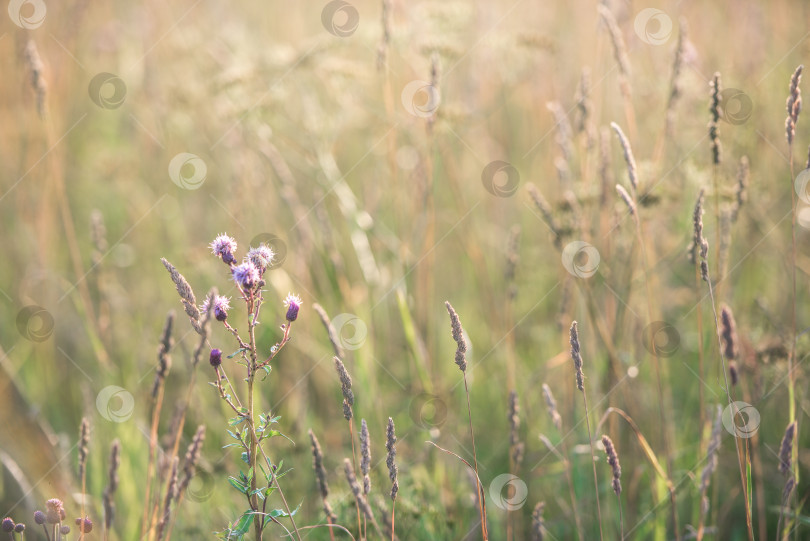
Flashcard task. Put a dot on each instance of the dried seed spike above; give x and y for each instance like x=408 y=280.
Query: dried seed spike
x=330 y=329
x=575 y=355
x=191 y=458
x=390 y=461
x=545 y=210
x=538 y=524
x=362 y=503
x=164 y=358
x=793 y=104
x=317 y=465
x=551 y=406
x=346 y=388
x=632 y=170
x=458 y=336
x=84 y=440
x=365 y=456
x=186 y=295
x=613 y=460
x=742 y=186
x=786 y=450
x=714 y=125
x=631 y=206
x=513 y=417
x=112 y=484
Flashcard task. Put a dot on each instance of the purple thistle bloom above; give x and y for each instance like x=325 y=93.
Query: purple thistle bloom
x=261 y=257
x=39 y=517
x=216 y=357
x=246 y=275
x=8 y=525
x=221 y=307
x=224 y=246
x=293 y=304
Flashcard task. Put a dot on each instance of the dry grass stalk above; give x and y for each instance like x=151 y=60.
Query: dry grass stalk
x=357 y=491
x=793 y=104
x=171 y=490
x=613 y=460
x=708 y=469
x=675 y=82
x=112 y=486
x=628 y=200
x=741 y=191
x=538 y=524
x=320 y=476
x=390 y=461
x=564 y=131
x=714 y=123
x=186 y=295
x=330 y=329
x=632 y=170
x=461 y=362
x=545 y=210
x=577 y=358
x=164 y=357
x=36 y=68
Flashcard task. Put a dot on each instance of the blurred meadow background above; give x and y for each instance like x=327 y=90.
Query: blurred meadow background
x=396 y=155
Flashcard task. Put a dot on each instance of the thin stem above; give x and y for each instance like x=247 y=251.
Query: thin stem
x=664 y=396
x=484 y=531
x=593 y=463
x=354 y=458
x=734 y=413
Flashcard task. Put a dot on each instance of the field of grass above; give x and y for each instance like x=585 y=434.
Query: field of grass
x=396 y=155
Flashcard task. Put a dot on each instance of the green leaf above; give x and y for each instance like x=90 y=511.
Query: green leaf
x=242 y=527
x=237 y=352
x=233 y=421
x=235 y=483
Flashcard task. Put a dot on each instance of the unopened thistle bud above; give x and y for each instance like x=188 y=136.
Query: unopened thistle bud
x=216 y=357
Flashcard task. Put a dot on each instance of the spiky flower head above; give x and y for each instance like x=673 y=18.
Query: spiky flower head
x=293 y=304
x=7 y=525
x=19 y=527
x=246 y=275
x=224 y=247
x=85 y=525
x=39 y=517
x=55 y=511
x=262 y=257
x=221 y=306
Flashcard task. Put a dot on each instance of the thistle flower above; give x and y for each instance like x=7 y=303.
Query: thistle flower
x=85 y=525
x=221 y=306
x=216 y=357
x=39 y=517
x=224 y=247
x=246 y=275
x=64 y=530
x=55 y=511
x=7 y=525
x=293 y=304
x=19 y=527
x=262 y=257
